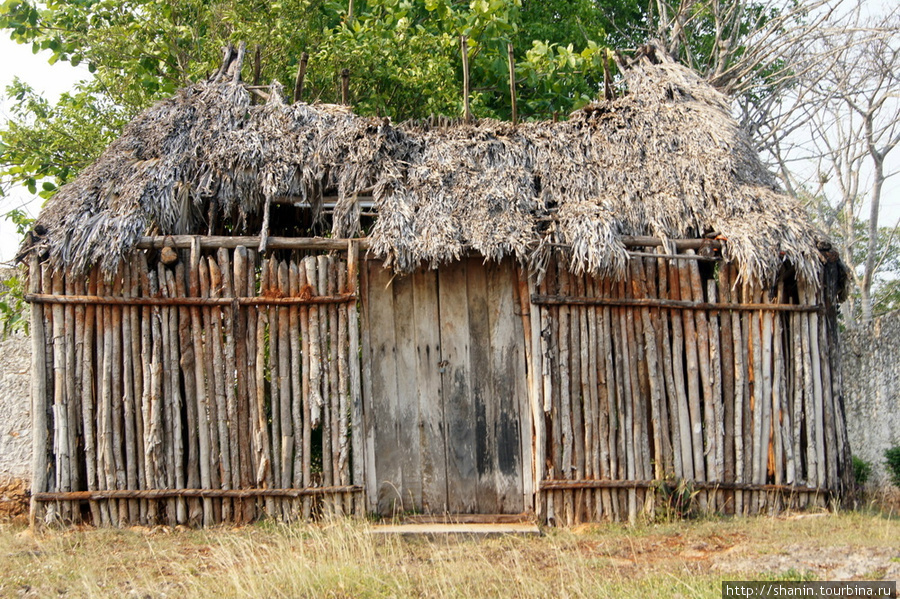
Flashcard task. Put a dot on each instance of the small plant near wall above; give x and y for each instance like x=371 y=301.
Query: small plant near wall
x=892 y=461
x=862 y=470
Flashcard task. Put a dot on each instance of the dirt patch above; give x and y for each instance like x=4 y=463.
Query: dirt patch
x=14 y=496
x=845 y=562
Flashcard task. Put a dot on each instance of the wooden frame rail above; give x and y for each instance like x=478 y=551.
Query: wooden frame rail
x=204 y=493
x=562 y=485
x=564 y=300
x=324 y=243
x=41 y=298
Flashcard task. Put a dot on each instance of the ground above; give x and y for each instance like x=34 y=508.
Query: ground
x=342 y=559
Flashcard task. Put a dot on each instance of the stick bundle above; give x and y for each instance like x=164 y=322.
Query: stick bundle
x=213 y=389
x=655 y=379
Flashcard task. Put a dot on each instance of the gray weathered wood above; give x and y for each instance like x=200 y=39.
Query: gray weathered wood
x=429 y=398
x=509 y=388
x=459 y=409
x=386 y=477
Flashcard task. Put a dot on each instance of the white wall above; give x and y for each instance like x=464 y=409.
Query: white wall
x=871 y=371
x=15 y=408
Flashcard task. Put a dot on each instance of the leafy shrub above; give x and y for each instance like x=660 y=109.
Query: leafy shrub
x=862 y=470
x=892 y=461
x=14 y=315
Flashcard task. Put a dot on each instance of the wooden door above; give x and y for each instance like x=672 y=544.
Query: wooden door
x=446 y=390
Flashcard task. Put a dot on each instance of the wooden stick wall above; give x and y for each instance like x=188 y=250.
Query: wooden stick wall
x=220 y=388
x=682 y=389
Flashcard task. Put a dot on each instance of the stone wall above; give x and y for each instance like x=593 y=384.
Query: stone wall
x=871 y=372
x=15 y=408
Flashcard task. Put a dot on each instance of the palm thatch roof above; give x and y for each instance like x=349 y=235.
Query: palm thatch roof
x=665 y=160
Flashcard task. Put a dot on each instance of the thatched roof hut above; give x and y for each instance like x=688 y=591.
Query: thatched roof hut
x=665 y=160
x=574 y=320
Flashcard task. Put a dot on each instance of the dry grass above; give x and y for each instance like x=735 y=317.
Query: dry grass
x=340 y=559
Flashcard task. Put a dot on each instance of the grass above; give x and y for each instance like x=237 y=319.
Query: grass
x=341 y=559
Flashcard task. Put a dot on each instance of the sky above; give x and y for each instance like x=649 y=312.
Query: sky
x=18 y=60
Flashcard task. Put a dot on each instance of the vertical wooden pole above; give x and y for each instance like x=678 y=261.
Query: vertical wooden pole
x=305 y=390
x=73 y=375
x=229 y=318
x=464 y=49
x=104 y=407
x=609 y=324
x=512 y=82
x=176 y=400
x=141 y=275
x=356 y=418
x=585 y=443
x=818 y=390
x=188 y=367
x=716 y=398
x=693 y=379
x=710 y=437
x=296 y=382
x=265 y=474
x=61 y=450
x=243 y=374
x=128 y=364
x=221 y=387
x=344 y=406
x=301 y=75
x=201 y=396
x=138 y=381
x=565 y=393
x=654 y=377
x=685 y=429
x=345 y=87
x=84 y=325
x=728 y=387
x=315 y=357
x=39 y=400
x=211 y=375
x=156 y=433
x=282 y=348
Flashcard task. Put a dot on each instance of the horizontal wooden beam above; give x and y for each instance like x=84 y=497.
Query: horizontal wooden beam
x=562 y=485
x=681 y=245
x=328 y=243
x=695 y=257
x=565 y=300
x=207 y=493
x=41 y=298
x=228 y=242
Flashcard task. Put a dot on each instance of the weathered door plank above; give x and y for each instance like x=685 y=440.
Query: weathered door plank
x=384 y=417
x=430 y=426
x=507 y=367
x=462 y=474
x=484 y=399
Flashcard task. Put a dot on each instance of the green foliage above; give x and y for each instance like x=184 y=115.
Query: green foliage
x=13 y=307
x=676 y=500
x=892 y=461
x=862 y=470
x=44 y=145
